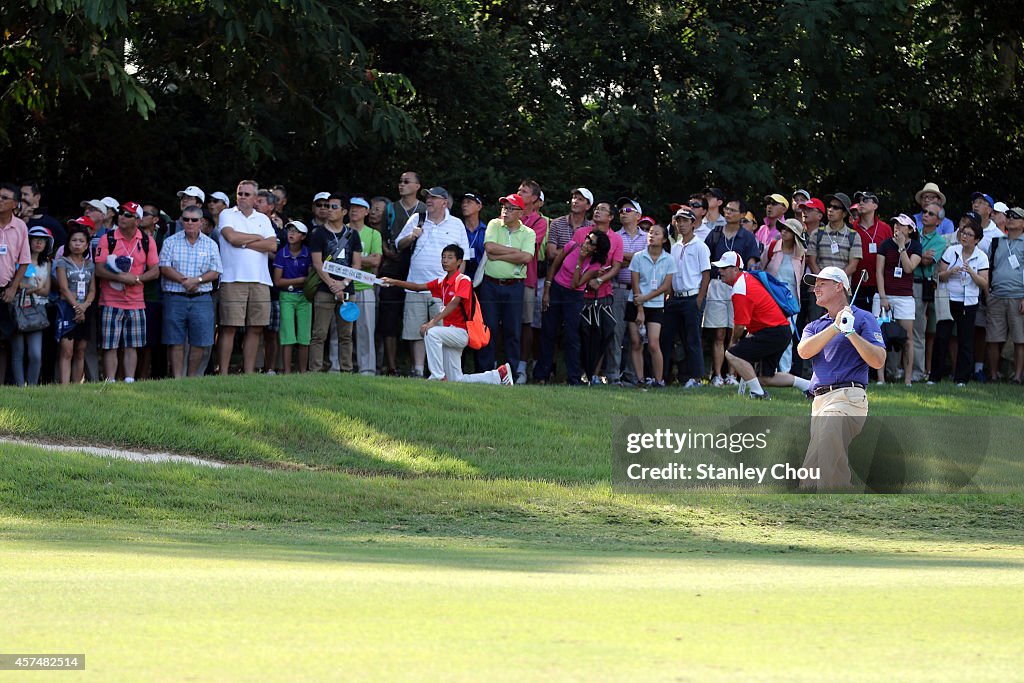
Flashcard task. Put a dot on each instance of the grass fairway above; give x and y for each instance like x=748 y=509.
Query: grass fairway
x=374 y=547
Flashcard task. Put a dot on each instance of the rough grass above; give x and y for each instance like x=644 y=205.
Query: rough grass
x=374 y=544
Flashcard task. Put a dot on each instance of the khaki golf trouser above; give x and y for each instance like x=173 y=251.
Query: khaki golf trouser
x=836 y=419
x=325 y=309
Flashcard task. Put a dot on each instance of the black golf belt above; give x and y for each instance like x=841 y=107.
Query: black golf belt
x=832 y=387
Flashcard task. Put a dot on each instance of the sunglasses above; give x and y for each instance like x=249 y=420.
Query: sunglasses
x=321 y=205
x=151 y=215
x=333 y=207
x=190 y=220
x=930 y=213
x=837 y=207
x=695 y=205
x=129 y=214
x=627 y=209
x=244 y=194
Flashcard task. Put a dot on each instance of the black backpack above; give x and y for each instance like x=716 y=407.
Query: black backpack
x=111 y=242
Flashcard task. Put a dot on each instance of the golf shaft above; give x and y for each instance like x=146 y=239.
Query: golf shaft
x=863 y=277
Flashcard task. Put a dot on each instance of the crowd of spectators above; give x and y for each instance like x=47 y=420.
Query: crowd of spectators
x=605 y=294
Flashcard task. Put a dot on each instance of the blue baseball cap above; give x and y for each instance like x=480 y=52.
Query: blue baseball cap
x=359 y=201
x=987 y=198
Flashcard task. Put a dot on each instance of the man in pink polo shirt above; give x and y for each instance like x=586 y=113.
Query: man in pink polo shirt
x=126 y=259
x=14 y=259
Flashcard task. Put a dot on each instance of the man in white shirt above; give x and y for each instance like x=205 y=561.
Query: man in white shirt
x=427 y=241
x=246 y=238
x=685 y=304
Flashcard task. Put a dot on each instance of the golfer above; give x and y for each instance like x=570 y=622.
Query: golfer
x=841 y=345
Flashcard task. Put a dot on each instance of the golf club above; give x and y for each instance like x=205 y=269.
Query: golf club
x=863 y=277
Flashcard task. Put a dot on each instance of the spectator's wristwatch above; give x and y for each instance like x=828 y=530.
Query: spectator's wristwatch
x=291 y=288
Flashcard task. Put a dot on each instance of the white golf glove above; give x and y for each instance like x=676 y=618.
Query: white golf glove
x=845 y=321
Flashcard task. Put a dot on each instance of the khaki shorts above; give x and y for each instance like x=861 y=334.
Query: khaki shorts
x=419 y=308
x=1004 y=321
x=718 y=305
x=529 y=302
x=244 y=304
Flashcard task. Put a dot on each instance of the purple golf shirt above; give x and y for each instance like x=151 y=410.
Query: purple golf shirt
x=839 y=361
x=293 y=266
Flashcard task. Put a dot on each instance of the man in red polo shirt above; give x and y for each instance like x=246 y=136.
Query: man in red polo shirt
x=873 y=231
x=122 y=272
x=445 y=334
x=760 y=332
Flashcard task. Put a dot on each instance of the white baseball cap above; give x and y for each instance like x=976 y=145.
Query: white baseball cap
x=193 y=191
x=111 y=203
x=298 y=225
x=222 y=197
x=829 y=273
x=730 y=259
x=1000 y=207
x=321 y=195
x=587 y=194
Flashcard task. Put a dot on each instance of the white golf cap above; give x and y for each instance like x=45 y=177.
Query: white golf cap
x=587 y=194
x=1000 y=207
x=829 y=273
x=730 y=259
x=95 y=204
x=321 y=195
x=222 y=197
x=193 y=191
x=298 y=225
x=111 y=203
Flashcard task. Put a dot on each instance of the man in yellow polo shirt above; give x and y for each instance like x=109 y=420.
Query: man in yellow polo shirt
x=510 y=247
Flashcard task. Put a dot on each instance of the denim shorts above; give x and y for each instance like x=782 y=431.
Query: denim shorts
x=188 y=319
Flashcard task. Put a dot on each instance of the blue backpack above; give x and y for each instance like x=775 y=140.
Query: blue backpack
x=779 y=291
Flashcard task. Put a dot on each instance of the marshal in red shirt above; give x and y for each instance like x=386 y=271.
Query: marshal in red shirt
x=752 y=305
x=453 y=285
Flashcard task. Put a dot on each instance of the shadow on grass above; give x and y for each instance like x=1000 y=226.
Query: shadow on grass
x=371 y=545
x=454 y=519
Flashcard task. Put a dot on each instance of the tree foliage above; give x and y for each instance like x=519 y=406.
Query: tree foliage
x=646 y=97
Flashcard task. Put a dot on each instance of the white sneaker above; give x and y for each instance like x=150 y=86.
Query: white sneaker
x=129 y=380
x=742 y=387
x=716 y=381
x=730 y=380
x=505 y=373
x=692 y=384
x=270 y=372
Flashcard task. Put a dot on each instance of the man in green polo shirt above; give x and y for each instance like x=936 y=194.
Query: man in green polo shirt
x=510 y=247
x=933 y=245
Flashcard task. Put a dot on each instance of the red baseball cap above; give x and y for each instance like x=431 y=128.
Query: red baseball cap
x=84 y=221
x=813 y=203
x=133 y=208
x=513 y=199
